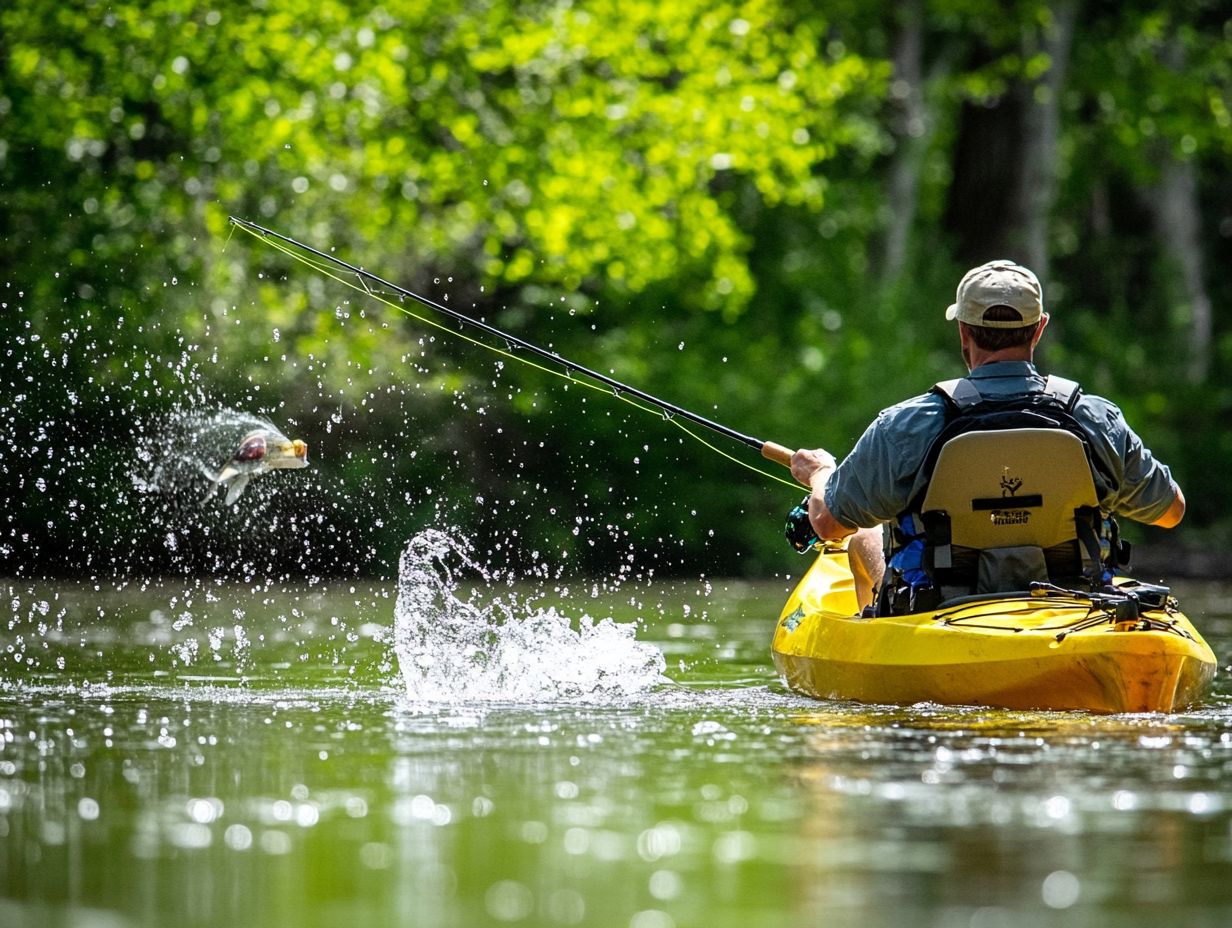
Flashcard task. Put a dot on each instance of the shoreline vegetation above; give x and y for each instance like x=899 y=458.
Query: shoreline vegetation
x=758 y=213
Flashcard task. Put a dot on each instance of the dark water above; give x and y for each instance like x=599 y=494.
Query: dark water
x=235 y=756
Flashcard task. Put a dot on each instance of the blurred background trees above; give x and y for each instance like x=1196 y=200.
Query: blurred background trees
x=756 y=210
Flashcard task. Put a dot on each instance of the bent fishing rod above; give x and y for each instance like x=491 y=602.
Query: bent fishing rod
x=769 y=450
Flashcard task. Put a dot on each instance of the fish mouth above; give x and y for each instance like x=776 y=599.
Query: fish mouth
x=288 y=454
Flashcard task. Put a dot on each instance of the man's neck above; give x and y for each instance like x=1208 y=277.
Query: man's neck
x=976 y=357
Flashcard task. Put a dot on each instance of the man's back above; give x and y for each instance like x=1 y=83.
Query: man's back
x=884 y=473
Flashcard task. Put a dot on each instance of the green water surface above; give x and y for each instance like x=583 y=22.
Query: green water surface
x=200 y=755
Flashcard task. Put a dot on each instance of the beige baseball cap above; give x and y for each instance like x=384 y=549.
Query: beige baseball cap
x=998 y=283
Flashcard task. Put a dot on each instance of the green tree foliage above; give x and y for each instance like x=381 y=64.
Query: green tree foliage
x=523 y=142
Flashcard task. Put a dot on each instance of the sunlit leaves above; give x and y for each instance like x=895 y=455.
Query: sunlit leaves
x=573 y=147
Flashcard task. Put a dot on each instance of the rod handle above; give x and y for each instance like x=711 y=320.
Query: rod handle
x=777 y=453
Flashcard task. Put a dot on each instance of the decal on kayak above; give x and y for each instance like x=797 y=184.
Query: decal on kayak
x=790 y=622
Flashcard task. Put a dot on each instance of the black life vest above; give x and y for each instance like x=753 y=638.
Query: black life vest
x=1011 y=497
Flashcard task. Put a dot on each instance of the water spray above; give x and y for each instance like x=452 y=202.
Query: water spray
x=364 y=281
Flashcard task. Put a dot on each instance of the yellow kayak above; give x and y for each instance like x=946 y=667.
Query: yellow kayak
x=1052 y=650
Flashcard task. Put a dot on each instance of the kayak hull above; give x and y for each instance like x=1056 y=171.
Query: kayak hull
x=1022 y=653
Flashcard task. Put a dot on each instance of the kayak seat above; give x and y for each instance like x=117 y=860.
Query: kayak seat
x=1008 y=507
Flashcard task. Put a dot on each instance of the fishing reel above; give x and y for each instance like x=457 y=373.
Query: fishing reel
x=799 y=531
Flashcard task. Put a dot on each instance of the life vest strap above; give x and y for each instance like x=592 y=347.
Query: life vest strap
x=964 y=394
x=961 y=392
x=1065 y=392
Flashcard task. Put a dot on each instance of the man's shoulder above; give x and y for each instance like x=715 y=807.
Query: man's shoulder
x=1097 y=409
x=929 y=411
x=915 y=419
x=925 y=404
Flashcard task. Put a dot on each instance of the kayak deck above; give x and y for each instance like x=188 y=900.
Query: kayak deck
x=1025 y=652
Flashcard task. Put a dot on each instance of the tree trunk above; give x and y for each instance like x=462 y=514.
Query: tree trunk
x=1178 y=219
x=911 y=126
x=1041 y=131
x=1006 y=160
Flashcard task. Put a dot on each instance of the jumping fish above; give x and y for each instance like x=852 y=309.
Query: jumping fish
x=259 y=451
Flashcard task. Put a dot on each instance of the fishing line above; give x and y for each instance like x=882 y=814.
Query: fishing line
x=327 y=266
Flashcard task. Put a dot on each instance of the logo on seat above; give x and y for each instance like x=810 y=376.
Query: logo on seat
x=1010 y=485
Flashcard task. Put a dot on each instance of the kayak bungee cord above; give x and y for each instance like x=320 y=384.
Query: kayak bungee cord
x=1101 y=610
x=329 y=265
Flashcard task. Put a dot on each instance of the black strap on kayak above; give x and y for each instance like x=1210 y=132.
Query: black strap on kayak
x=1086 y=526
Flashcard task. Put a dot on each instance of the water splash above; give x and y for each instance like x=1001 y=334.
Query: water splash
x=451 y=649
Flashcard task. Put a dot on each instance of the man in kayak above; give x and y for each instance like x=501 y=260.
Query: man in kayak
x=1000 y=315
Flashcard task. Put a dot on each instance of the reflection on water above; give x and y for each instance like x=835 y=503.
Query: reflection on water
x=1001 y=813
x=278 y=773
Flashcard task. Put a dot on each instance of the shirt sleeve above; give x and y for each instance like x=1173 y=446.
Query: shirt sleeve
x=874 y=482
x=1145 y=489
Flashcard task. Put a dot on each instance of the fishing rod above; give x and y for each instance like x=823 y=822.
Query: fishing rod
x=769 y=450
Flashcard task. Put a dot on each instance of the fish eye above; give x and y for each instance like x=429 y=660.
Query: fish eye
x=252 y=449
